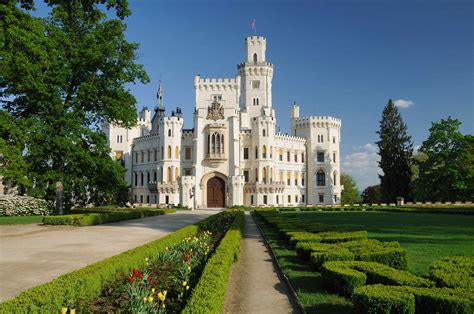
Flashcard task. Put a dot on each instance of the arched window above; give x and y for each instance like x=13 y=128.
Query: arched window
x=281 y=176
x=168 y=174
x=169 y=152
x=271 y=152
x=176 y=174
x=302 y=179
x=264 y=132
x=208 y=144
x=288 y=178
x=256 y=152
x=255 y=58
x=335 y=177
x=169 y=132
x=148 y=177
x=256 y=174
x=176 y=152
x=264 y=174
x=264 y=152
x=320 y=178
x=296 y=178
x=271 y=174
x=141 y=178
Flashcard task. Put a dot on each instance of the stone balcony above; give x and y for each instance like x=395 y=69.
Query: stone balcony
x=214 y=159
x=264 y=187
x=164 y=187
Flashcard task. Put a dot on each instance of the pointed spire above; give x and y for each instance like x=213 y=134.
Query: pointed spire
x=159 y=98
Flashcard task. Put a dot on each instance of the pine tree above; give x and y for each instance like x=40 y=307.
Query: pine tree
x=395 y=150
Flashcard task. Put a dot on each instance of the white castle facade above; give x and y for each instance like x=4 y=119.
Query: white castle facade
x=233 y=155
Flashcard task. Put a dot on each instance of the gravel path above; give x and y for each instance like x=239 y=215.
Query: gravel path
x=254 y=283
x=35 y=254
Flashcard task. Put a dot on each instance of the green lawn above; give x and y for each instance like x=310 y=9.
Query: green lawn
x=20 y=220
x=426 y=237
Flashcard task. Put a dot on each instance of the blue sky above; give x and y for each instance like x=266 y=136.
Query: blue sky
x=338 y=58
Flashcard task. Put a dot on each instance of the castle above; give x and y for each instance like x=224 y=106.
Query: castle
x=233 y=155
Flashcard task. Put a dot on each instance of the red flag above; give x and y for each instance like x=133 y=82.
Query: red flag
x=253 y=24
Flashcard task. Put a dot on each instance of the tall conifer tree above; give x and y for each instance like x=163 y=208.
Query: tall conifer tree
x=395 y=150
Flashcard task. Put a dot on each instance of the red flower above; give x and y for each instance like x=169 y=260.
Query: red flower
x=136 y=272
x=140 y=275
x=130 y=278
x=186 y=258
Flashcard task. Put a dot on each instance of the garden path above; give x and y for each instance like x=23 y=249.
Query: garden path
x=35 y=254
x=255 y=286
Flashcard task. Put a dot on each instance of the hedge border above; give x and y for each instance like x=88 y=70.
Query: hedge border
x=209 y=294
x=86 y=283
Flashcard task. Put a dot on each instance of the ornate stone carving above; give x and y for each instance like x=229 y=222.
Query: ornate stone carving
x=215 y=111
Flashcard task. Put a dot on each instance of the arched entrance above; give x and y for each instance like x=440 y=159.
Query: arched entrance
x=215 y=193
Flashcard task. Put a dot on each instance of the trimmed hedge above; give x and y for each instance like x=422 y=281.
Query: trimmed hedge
x=453 y=272
x=344 y=277
x=336 y=237
x=388 y=299
x=209 y=294
x=432 y=209
x=88 y=282
x=90 y=219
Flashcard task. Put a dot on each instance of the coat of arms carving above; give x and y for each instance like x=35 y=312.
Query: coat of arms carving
x=215 y=111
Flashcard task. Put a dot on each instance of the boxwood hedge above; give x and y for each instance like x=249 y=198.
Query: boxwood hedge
x=87 y=283
x=454 y=272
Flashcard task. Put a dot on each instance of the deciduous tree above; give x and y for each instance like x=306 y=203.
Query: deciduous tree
x=350 y=194
x=372 y=195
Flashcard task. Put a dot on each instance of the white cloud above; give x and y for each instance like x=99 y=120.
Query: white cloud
x=362 y=165
x=401 y=103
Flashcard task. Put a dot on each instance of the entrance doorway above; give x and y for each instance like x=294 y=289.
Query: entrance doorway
x=215 y=193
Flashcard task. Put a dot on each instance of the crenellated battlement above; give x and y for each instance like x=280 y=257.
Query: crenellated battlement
x=255 y=38
x=145 y=138
x=318 y=122
x=287 y=137
x=217 y=83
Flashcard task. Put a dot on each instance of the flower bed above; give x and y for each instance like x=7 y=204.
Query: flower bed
x=23 y=206
x=87 y=284
x=95 y=218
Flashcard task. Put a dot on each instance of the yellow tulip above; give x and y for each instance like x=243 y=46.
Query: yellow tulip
x=150 y=299
x=187 y=287
x=184 y=283
x=165 y=292
x=72 y=311
x=64 y=310
x=163 y=306
x=153 y=290
x=161 y=296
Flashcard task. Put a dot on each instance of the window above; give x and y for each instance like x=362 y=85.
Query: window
x=169 y=132
x=334 y=139
x=321 y=198
x=187 y=172
x=118 y=138
x=246 y=153
x=256 y=174
x=168 y=174
x=302 y=157
x=281 y=176
x=169 y=152
x=255 y=101
x=136 y=157
x=296 y=198
x=162 y=153
x=143 y=156
x=302 y=198
x=288 y=156
x=271 y=152
x=320 y=156
x=136 y=179
x=148 y=199
x=256 y=152
x=176 y=152
x=246 y=175
x=135 y=197
x=265 y=199
x=255 y=84
x=271 y=174
x=320 y=138
x=141 y=198
x=141 y=178
x=216 y=144
x=296 y=157
x=147 y=177
x=264 y=132
x=187 y=153
x=216 y=97
x=335 y=178
x=167 y=199
x=264 y=175
x=251 y=199
x=320 y=178
x=302 y=179
x=281 y=155
x=289 y=199
x=264 y=152
x=296 y=178
x=176 y=174
x=278 y=200
x=155 y=176
x=149 y=156
x=334 y=157
x=288 y=178
x=156 y=155
x=255 y=58
x=335 y=198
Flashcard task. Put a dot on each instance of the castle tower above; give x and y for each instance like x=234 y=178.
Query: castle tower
x=159 y=110
x=294 y=114
x=257 y=75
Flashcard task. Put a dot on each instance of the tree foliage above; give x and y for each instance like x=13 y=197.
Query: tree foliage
x=66 y=75
x=350 y=194
x=447 y=171
x=372 y=195
x=395 y=150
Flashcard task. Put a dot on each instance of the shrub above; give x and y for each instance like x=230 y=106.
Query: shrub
x=344 y=277
x=454 y=272
x=336 y=254
x=303 y=237
x=88 y=282
x=209 y=294
x=89 y=219
x=335 y=237
x=380 y=299
x=23 y=206
x=371 y=300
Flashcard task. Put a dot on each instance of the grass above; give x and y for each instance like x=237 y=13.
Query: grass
x=305 y=281
x=20 y=220
x=426 y=237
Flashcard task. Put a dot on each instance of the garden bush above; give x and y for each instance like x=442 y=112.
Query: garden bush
x=88 y=219
x=344 y=276
x=335 y=236
x=453 y=272
x=209 y=294
x=88 y=282
x=392 y=299
x=24 y=206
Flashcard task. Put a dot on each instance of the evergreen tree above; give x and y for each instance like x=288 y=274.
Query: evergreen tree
x=447 y=171
x=372 y=195
x=350 y=194
x=395 y=150
x=66 y=75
